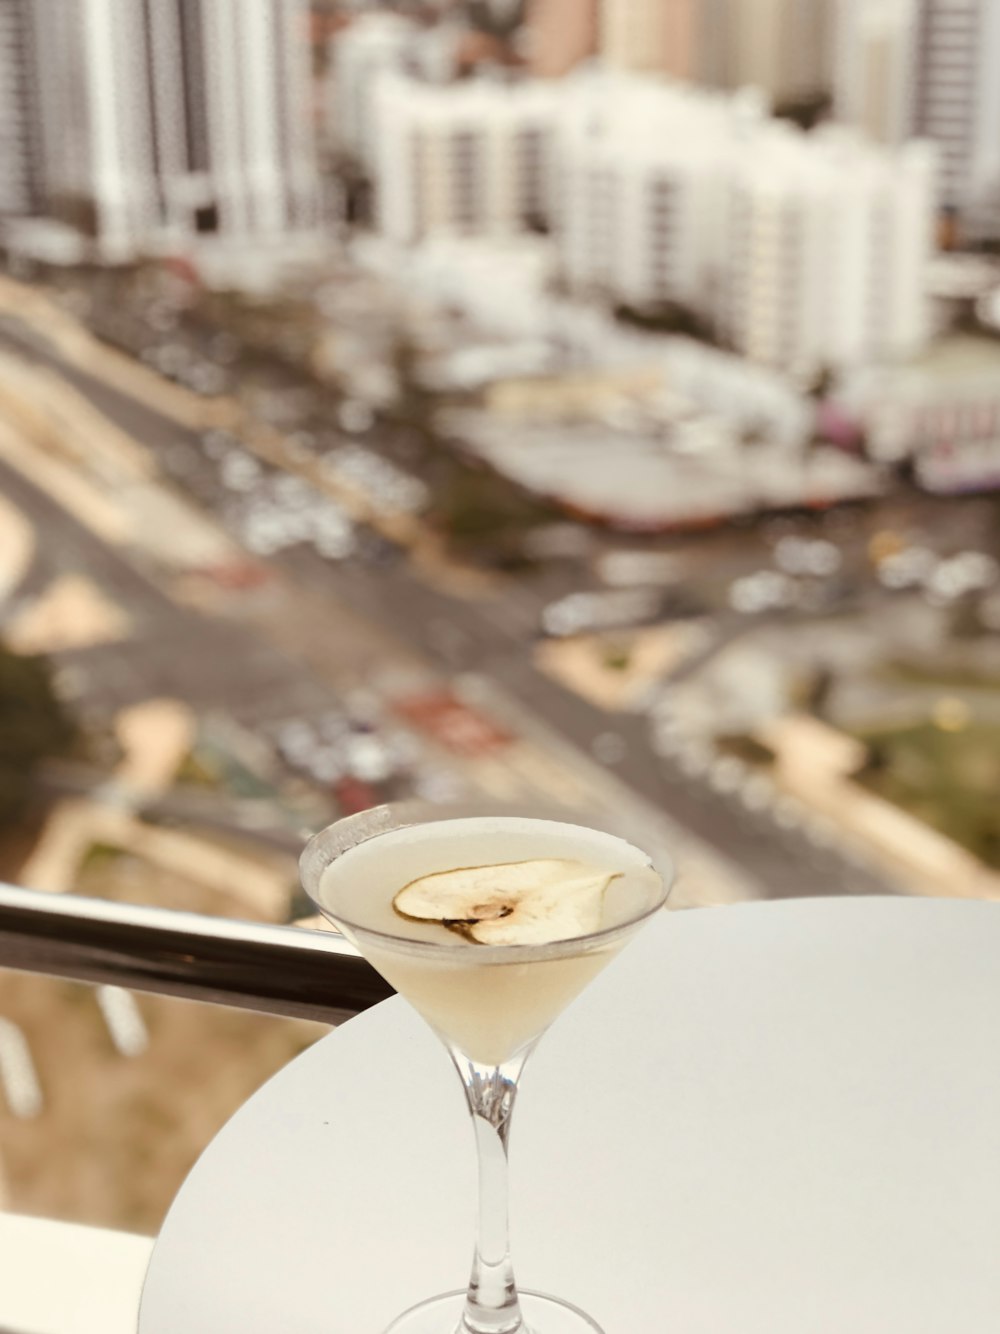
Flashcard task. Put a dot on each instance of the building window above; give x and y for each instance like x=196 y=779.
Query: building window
x=466 y=164
x=206 y=218
x=530 y=157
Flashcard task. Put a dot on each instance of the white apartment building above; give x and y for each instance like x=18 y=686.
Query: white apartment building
x=559 y=35
x=163 y=119
x=784 y=48
x=20 y=183
x=942 y=411
x=804 y=251
x=873 y=67
x=255 y=101
x=641 y=175
x=469 y=158
x=828 y=241
x=929 y=69
x=650 y=36
x=373 y=45
x=956 y=99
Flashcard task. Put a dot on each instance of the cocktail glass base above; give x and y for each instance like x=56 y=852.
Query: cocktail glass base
x=542 y=1315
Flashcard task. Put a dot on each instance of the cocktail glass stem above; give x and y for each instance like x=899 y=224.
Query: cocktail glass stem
x=492 y=1305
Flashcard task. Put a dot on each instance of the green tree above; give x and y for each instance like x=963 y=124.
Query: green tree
x=33 y=726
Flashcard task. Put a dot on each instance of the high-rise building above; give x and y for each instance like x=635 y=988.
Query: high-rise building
x=651 y=36
x=641 y=174
x=929 y=69
x=370 y=46
x=559 y=35
x=782 y=47
x=20 y=168
x=955 y=99
x=873 y=67
x=470 y=158
x=254 y=101
x=805 y=251
x=96 y=92
x=827 y=246
x=166 y=118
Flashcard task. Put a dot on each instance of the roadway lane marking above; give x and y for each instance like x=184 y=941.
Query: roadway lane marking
x=18 y=1076
x=17 y=547
x=124 y=1021
x=90 y=506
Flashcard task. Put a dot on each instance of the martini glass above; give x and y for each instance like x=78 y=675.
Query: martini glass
x=489 y=1004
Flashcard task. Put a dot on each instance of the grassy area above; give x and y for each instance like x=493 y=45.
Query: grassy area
x=484 y=516
x=212 y=768
x=938 y=677
x=200 y=770
x=947 y=778
x=747 y=749
x=34 y=726
x=98 y=857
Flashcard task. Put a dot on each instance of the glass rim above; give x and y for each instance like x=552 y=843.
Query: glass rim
x=392 y=817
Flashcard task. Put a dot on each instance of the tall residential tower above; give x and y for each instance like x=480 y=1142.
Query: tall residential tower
x=166 y=118
x=873 y=67
x=651 y=36
x=929 y=69
x=782 y=47
x=21 y=185
x=560 y=35
x=956 y=100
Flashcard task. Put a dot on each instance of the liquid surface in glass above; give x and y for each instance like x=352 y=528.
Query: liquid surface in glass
x=488 y=1001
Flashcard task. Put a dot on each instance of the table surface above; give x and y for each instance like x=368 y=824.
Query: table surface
x=775 y=1118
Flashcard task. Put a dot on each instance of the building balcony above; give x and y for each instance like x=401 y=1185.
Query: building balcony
x=283 y=971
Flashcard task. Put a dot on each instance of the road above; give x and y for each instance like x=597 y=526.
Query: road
x=173 y=651
x=488 y=635
x=784 y=863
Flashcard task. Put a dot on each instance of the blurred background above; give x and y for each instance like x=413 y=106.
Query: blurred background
x=588 y=400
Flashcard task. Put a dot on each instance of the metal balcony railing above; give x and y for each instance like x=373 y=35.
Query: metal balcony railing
x=280 y=970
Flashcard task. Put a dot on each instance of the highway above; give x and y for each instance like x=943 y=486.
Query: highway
x=488 y=635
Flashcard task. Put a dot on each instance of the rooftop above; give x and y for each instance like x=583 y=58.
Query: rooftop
x=696 y=473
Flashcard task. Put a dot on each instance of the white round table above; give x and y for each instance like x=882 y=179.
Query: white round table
x=767 y=1119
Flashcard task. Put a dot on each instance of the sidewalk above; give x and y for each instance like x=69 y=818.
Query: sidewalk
x=80 y=497
x=79 y=346
x=72 y=613
x=106 y=480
